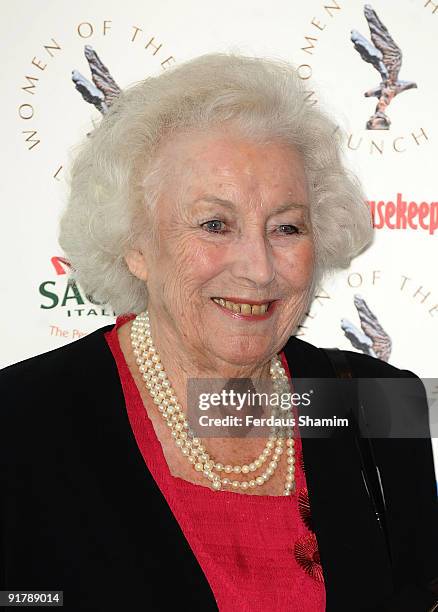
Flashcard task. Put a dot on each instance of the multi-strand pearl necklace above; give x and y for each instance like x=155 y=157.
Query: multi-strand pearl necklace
x=160 y=389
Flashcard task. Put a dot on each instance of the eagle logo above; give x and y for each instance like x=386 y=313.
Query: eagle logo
x=386 y=57
x=103 y=91
x=371 y=339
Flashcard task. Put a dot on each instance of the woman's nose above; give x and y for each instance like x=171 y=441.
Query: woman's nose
x=254 y=260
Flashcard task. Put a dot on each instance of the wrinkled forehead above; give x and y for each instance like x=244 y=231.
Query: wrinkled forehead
x=229 y=166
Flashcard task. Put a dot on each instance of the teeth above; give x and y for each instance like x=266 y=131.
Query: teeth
x=242 y=308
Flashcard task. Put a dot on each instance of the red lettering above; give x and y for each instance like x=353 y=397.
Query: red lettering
x=433 y=225
x=401 y=212
x=381 y=222
x=412 y=212
x=389 y=212
x=400 y=215
x=423 y=211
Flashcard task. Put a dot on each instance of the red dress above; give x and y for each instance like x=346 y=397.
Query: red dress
x=257 y=552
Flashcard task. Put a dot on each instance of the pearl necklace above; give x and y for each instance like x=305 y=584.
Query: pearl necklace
x=160 y=389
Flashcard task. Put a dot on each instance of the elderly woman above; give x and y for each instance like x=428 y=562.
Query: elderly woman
x=205 y=208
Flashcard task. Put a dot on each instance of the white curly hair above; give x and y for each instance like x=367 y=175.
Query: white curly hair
x=117 y=174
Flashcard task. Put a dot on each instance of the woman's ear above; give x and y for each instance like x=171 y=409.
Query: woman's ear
x=136 y=262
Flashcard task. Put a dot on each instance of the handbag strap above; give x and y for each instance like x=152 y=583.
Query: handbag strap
x=369 y=467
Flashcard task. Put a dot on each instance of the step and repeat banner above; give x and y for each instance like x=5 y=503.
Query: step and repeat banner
x=372 y=66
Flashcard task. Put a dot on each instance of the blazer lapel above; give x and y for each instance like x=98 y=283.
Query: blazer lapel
x=351 y=546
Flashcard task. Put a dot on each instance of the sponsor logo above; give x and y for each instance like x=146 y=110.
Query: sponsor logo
x=137 y=42
x=143 y=52
x=385 y=56
x=402 y=214
x=328 y=54
x=63 y=293
x=383 y=313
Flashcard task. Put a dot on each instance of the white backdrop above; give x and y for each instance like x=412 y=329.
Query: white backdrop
x=44 y=116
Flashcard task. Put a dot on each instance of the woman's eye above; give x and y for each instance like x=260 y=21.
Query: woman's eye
x=289 y=229
x=215 y=226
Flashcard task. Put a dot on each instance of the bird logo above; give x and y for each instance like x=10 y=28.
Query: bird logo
x=371 y=339
x=386 y=57
x=103 y=91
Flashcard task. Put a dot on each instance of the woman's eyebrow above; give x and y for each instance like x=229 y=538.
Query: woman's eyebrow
x=231 y=206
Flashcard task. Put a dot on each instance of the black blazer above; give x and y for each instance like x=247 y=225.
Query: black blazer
x=81 y=513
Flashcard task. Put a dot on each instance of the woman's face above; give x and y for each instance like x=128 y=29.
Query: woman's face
x=232 y=223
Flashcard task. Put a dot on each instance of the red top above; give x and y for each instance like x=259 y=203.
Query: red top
x=256 y=551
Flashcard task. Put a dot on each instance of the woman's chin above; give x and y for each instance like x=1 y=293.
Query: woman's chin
x=242 y=357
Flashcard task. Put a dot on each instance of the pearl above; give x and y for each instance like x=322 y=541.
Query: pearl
x=155 y=379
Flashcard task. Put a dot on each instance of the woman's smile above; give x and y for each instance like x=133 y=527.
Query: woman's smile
x=245 y=310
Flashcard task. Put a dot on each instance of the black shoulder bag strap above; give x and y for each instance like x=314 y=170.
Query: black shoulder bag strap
x=369 y=467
